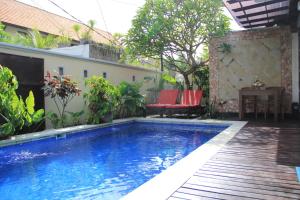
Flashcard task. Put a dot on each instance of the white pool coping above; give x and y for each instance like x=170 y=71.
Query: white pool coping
x=17 y=139
x=163 y=185
x=167 y=182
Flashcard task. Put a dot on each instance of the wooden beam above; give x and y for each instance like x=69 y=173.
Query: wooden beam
x=236 y=1
x=258 y=5
x=294 y=16
x=259 y=25
x=263 y=12
x=277 y=17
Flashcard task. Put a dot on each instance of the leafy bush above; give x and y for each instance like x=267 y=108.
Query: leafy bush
x=131 y=101
x=15 y=113
x=62 y=90
x=102 y=98
x=201 y=78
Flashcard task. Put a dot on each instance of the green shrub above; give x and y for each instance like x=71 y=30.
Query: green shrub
x=102 y=99
x=15 y=114
x=131 y=101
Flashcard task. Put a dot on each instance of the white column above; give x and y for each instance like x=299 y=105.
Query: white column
x=295 y=67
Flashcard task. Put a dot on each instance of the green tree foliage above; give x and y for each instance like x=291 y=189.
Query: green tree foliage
x=15 y=114
x=4 y=36
x=62 y=90
x=101 y=98
x=177 y=30
x=131 y=102
x=119 y=42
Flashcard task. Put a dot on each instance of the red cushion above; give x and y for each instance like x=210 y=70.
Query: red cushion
x=167 y=97
x=181 y=106
x=191 y=97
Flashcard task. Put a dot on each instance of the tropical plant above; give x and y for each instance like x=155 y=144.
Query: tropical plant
x=36 y=39
x=201 y=79
x=211 y=110
x=75 y=117
x=15 y=114
x=101 y=98
x=4 y=36
x=63 y=40
x=132 y=103
x=176 y=31
x=77 y=28
x=86 y=35
x=61 y=89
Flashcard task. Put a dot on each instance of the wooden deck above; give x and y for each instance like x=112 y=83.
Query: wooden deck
x=258 y=163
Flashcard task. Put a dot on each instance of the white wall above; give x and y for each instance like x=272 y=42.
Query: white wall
x=74 y=66
x=78 y=50
x=295 y=67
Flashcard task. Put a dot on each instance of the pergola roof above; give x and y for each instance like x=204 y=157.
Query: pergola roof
x=259 y=13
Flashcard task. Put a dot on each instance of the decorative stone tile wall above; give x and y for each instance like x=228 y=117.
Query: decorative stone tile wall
x=265 y=54
x=104 y=52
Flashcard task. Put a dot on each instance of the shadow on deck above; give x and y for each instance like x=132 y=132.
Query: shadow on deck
x=258 y=163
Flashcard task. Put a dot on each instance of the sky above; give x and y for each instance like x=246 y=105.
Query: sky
x=113 y=16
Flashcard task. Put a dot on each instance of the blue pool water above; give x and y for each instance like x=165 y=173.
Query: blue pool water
x=105 y=163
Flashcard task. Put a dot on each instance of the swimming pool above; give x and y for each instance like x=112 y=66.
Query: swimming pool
x=104 y=163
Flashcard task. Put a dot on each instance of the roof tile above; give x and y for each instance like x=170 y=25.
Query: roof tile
x=23 y=15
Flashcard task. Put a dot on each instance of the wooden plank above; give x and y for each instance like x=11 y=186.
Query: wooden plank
x=232 y=190
x=211 y=194
x=254 y=172
x=261 y=178
x=258 y=166
x=277 y=186
x=249 y=167
x=180 y=195
x=255 y=161
x=258 y=163
x=175 y=198
x=240 y=186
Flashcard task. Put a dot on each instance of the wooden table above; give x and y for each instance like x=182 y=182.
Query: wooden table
x=258 y=92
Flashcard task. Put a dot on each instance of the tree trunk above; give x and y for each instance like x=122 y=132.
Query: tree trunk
x=187 y=81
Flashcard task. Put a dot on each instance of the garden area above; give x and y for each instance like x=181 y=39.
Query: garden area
x=104 y=102
x=167 y=117
x=179 y=45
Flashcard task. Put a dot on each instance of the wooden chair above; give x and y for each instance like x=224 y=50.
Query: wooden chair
x=250 y=102
x=271 y=101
